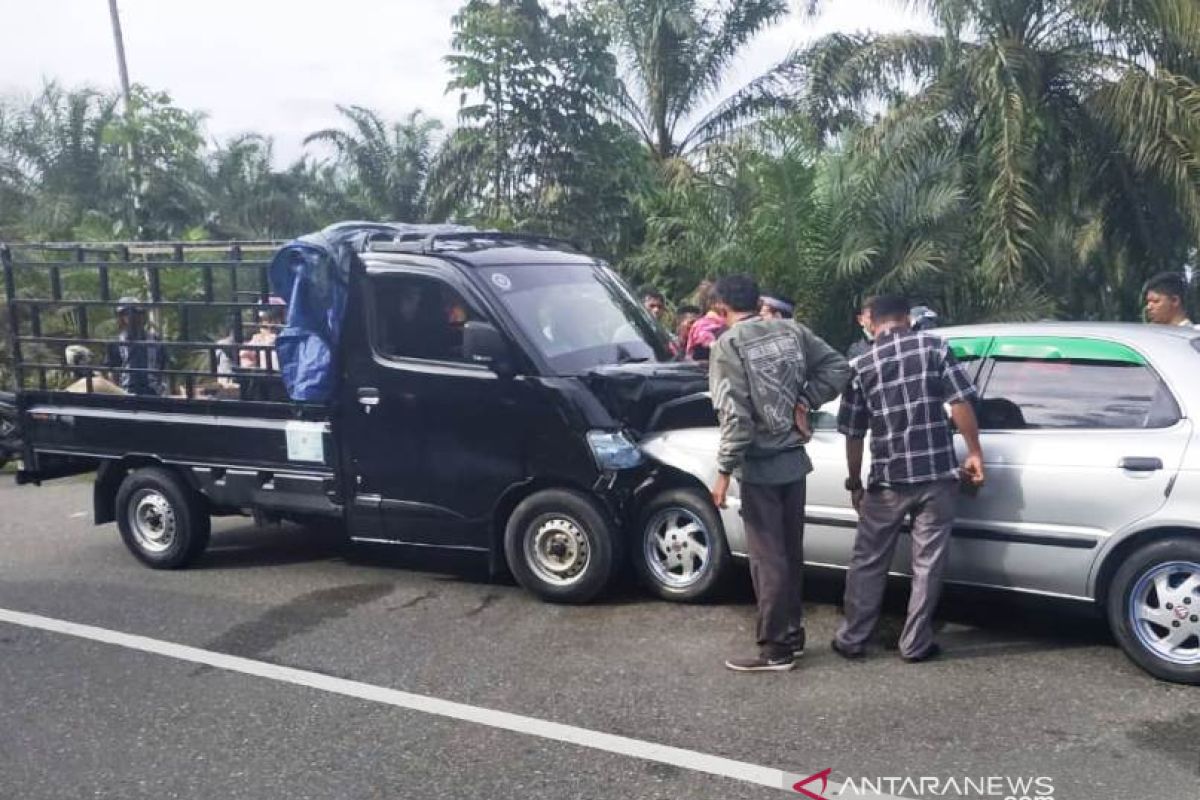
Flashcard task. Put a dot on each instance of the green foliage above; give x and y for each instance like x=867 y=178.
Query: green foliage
x=534 y=151
x=1033 y=158
x=676 y=54
x=380 y=169
x=1068 y=139
x=53 y=156
x=163 y=173
x=754 y=206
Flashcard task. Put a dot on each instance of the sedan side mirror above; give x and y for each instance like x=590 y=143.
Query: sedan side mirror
x=486 y=346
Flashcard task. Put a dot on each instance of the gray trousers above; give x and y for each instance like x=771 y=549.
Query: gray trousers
x=883 y=512
x=774 y=519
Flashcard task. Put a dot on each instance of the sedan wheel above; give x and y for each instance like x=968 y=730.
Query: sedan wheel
x=1164 y=611
x=678 y=548
x=682 y=553
x=1154 y=608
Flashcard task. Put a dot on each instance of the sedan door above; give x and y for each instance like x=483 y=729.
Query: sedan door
x=1081 y=438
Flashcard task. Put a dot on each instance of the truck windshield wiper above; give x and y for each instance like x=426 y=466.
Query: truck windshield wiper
x=626 y=357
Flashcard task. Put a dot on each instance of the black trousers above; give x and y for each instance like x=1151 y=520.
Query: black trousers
x=774 y=519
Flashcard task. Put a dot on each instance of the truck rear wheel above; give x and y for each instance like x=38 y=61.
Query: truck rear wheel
x=561 y=546
x=161 y=519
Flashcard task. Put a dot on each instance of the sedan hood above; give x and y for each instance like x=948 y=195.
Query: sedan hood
x=654 y=396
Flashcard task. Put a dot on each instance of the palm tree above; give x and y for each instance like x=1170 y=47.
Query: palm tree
x=675 y=54
x=53 y=153
x=1083 y=113
x=250 y=199
x=754 y=206
x=382 y=166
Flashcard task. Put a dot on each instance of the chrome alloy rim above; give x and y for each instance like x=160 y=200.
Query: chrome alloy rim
x=558 y=551
x=152 y=520
x=1164 y=612
x=677 y=547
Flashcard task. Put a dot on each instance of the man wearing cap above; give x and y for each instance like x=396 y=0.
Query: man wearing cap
x=138 y=353
x=770 y=307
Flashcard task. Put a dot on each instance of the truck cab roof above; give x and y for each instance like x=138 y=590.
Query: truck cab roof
x=478 y=249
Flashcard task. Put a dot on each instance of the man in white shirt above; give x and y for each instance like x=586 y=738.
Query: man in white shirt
x=1166 y=299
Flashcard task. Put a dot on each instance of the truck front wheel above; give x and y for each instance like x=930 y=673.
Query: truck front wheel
x=161 y=519
x=561 y=546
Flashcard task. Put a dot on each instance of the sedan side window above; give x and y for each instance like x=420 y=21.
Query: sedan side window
x=1032 y=393
x=416 y=317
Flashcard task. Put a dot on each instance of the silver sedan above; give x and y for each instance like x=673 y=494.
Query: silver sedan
x=1093 y=492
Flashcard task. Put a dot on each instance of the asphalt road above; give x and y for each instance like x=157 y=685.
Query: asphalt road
x=1027 y=689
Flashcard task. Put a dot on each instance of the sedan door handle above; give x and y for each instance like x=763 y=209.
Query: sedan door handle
x=368 y=397
x=1140 y=464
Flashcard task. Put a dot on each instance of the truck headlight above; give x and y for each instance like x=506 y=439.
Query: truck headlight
x=613 y=450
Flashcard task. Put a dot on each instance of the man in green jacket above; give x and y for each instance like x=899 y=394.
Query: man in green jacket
x=765 y=377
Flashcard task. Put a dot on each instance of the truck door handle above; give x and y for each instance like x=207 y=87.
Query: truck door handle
x=368 y=397
x=1140 y=464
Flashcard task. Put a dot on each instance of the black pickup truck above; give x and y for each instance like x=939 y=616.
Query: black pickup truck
x=490 y=392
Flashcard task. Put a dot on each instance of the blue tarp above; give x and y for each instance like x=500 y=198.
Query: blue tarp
x=312 y=275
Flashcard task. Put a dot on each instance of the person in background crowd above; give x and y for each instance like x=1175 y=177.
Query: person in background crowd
x=137 y=357
x=707 y=329
x=898 y=391
x=771 y=307
x=653 y=301
x=862 y=318
x=765 y=375
x=922 y=318
x=225 y=376
x=1166 y=299
x=685 y=316
x=270 y=320
x=78 y=359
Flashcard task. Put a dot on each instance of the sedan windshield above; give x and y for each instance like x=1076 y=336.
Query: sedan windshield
x=578 y=316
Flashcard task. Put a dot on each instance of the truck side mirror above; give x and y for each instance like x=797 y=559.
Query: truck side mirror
x=486 y=346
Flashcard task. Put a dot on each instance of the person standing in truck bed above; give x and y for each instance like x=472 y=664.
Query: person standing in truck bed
x=137 y=357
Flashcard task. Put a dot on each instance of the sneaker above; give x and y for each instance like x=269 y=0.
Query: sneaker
x=849 y=655
x=762 y=663
x=933 y=651
x=798 y=644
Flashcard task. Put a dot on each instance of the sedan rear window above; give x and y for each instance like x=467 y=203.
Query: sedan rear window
x=1024 y=393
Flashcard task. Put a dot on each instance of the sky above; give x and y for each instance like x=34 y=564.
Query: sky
x=281 y=67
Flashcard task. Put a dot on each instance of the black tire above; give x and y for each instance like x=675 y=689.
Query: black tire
x=565 y=522
x=168 y=504
x=670 y=514
x=1135 y=576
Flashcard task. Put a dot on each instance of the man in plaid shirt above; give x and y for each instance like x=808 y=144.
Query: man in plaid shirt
x=897 y=391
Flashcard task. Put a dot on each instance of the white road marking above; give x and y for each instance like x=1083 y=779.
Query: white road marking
x=79 y=514
x=530 y=726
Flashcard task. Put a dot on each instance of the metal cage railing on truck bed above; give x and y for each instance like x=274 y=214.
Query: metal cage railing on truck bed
x=196 y=295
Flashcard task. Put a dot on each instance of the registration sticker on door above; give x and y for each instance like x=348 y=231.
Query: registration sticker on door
x=306 y=441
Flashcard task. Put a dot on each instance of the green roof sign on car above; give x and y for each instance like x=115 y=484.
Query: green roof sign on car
x=1065 y=348
x=971 y=347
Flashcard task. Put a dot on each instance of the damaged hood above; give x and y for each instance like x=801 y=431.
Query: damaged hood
x=654 y=396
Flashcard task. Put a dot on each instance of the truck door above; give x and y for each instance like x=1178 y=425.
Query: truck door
x=433 y=439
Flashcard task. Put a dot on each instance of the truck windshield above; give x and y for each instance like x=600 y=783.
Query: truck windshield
x=578 y=315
